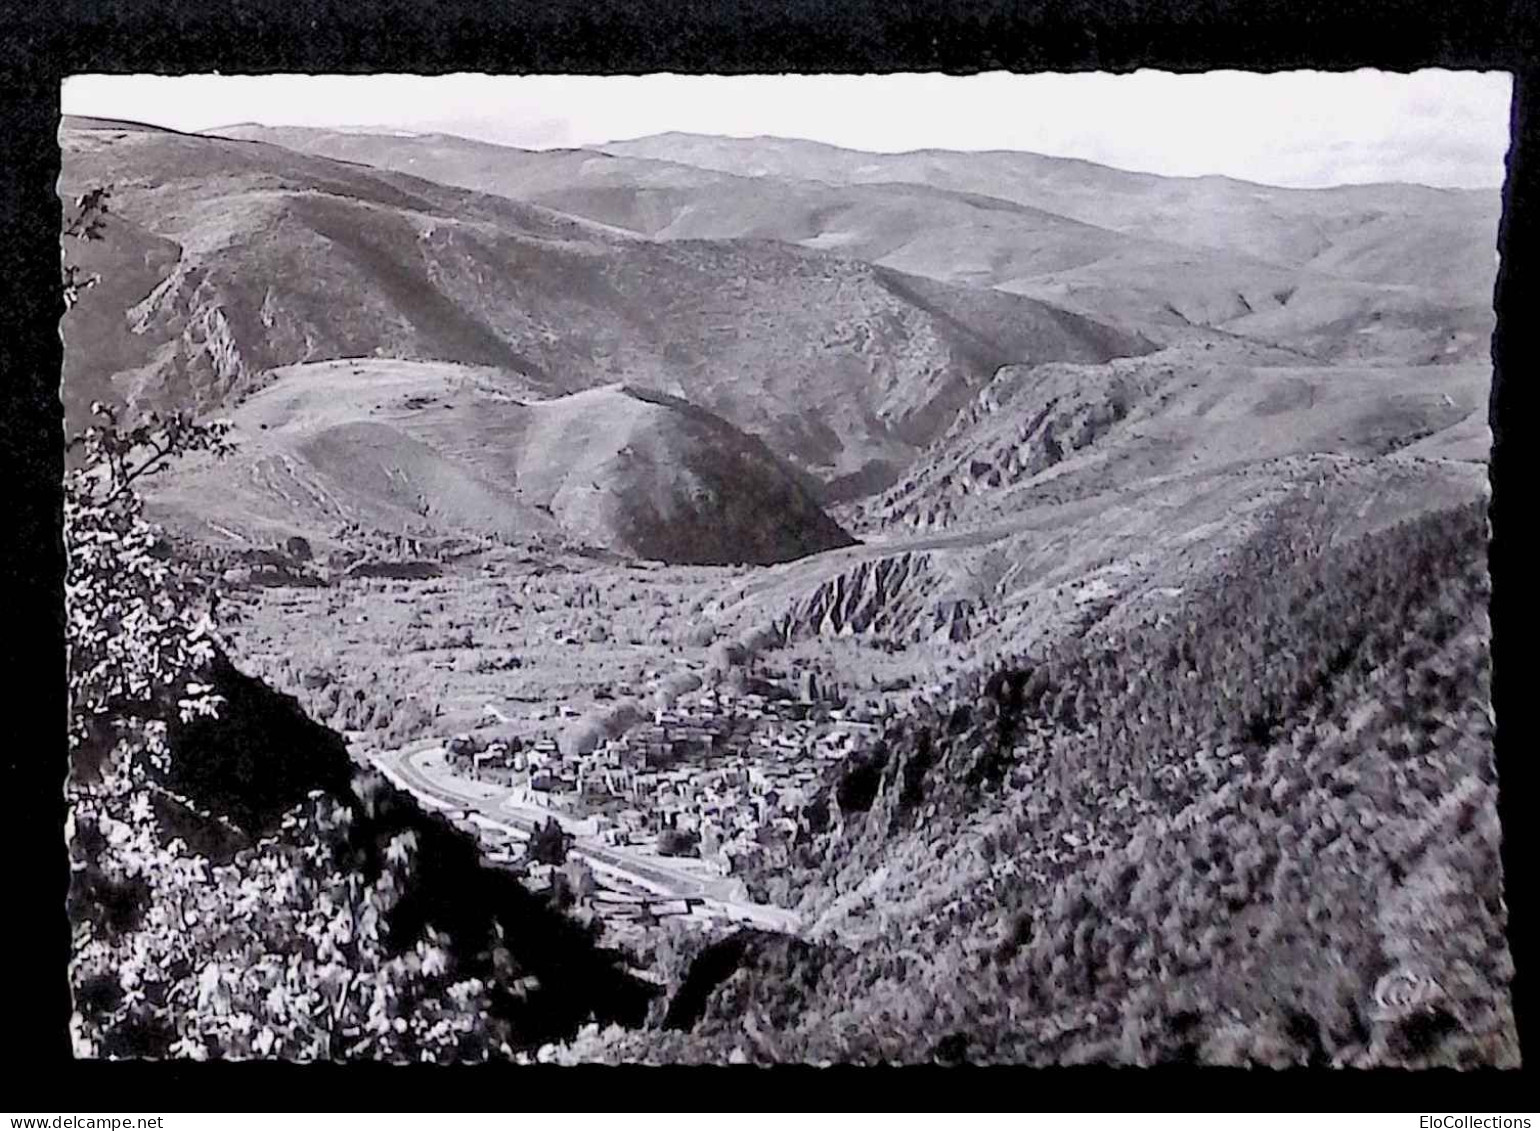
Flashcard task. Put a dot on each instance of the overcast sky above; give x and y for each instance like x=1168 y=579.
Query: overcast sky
x=1298 y=128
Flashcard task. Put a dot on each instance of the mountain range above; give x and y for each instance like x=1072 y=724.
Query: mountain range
x=391 y=445
x=867 y=317
x=258 y=257
x=1376 y=270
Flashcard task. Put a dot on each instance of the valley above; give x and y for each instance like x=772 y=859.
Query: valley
x=849 y=585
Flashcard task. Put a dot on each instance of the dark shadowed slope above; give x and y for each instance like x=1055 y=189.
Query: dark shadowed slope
x=445 y=448
x=281 y=258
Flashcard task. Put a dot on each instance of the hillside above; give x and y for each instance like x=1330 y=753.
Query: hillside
x=1066 y=495
x=644 y=195
x=251 y=257
x=1061 y=432
x=952 y=598
x=1366 y=259
x=922 y=230
x=1398 y=272
x=449 y=450
x=1227 y=838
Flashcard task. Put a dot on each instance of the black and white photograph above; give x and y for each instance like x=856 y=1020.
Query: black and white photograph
x=689 y=569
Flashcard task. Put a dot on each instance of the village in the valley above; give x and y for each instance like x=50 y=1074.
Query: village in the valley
x=719 y=774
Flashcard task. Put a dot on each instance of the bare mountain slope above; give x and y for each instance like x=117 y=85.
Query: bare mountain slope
x=1065 y=495
x=1398 y=272
x=1395 y=270
x=1062 y=432
x=281 y=258
x=1047 y=567
x=634 y=193
x=1446 y=236
x=449 y=449
x=914 y=227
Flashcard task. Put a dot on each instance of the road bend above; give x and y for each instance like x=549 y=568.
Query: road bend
x=397 y=765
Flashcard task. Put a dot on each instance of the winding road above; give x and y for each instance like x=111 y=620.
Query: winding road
x=717 y=896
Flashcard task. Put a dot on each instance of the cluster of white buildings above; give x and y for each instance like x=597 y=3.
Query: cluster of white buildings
x=724 y=772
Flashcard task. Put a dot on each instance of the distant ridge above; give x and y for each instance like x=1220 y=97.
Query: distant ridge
x=632 y=145
x=1398 y=273
x=77 y=122
x=235 y=129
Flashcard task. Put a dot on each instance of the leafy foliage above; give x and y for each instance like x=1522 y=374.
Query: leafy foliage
x=282 y=952
x=86 y=222
x=138 y=621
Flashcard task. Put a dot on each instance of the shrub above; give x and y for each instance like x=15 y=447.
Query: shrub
x=138 y=624
x=677 y=842
x=548 y=844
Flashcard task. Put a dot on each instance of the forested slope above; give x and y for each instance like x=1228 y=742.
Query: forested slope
x=1263 y=832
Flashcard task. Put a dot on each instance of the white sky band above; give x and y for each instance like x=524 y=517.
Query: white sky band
x=1302 y=128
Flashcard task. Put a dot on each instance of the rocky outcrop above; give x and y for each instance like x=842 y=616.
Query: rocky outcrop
x=204 y=356
x=952 y=619
x=1025 y=420
x=902 y=597
x=880 y=595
